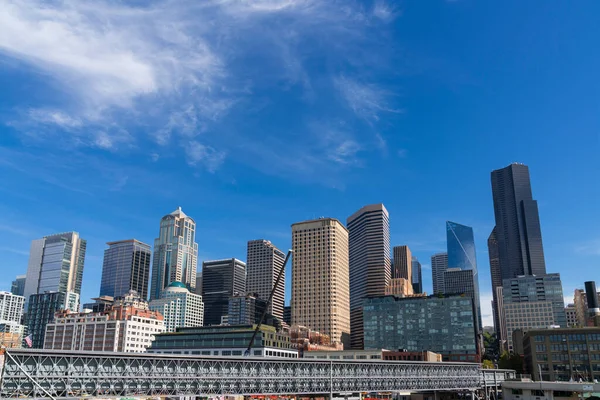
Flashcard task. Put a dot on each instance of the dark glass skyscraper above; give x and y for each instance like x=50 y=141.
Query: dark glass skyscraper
x=461 y=255
x=126 y=267
x=417 y=276
x=517 y=228
x=221 y=279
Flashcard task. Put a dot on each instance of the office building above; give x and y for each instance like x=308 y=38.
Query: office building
x=400 y=287
x=128 y=326
x=441 y=323
x=344 y=354
x=287 y=315
x=248 y=309
x=581 y=307
x=369 y=262
x=427 y=356
x=221 y=279
x=225 y=341
x=563 y=354
x=55 y=264
x=18 y=285
x=42 y=308
x=402 y=267
x=179 y=307
x=496 y=275
x=417 y=276
x=518 y=229
x=126 y=267
x=175 y=253
x=320 y=278
x=306 y=340
x=100 y=304
x=198 y=289
x=439 y=264
x=11 y=307
x=263 y=264
x=461 y=255
x=11 y=335
x=533 y=302
x=571 y=315
x=459 y=281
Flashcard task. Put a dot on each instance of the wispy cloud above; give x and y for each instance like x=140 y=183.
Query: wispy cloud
x=129 y=76
x=367 y=100
x=591 y=247
x=15 y=251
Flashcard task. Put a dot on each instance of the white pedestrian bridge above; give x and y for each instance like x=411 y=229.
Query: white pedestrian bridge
x=27 y=373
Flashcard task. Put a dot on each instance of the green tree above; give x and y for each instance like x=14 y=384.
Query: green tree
x=511 y=361
x=487 y=364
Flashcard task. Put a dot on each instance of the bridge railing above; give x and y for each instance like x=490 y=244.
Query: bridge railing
x=48 y=373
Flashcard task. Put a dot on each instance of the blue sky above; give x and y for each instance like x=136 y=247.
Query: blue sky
x=255 y=115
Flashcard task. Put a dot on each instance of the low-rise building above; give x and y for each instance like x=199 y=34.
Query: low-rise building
x=226 y=340
x=444 y=324
x=305 y=339
x=563 y=354
x=11 y=335
x=128 y=326
x=571 y=314
x=345 y=354
x=428 y=356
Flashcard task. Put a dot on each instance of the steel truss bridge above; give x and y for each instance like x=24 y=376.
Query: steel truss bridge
x=65 y=374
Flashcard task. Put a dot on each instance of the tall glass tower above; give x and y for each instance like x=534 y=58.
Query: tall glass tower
x=175 y=253
x=461 y=256
x=55 y=265
x=126 y=267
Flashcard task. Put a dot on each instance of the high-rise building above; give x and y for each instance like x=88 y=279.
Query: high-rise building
x=320 y=278
x=199 y=283
x=248 y=309
x=402 y=263
x=179 y=307
x=518 y=231
x=126 y=267
x=127 y=326
x=369 y=260
x=417 y=276
x=439 y=264
x=42 y=308
x=581 y=307
x=440 y=323
x=400 y=287
x=496 y=276
x=532 y=302
x=461 y=255
x=55 y=265
x=263 y=264
x=18 y=285
x=175 y=253
x=287 y=315
x=221 y=279
x=11 y=307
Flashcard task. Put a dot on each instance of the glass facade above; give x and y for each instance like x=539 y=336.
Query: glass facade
x=417 y=276
x=18 y=286
x=126 y=267
x=461 y=255
x=175 y=253
x=442 y=324
x=42 y=308
x=221 y=279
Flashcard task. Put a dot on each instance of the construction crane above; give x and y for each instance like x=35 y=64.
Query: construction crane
x=269 y=301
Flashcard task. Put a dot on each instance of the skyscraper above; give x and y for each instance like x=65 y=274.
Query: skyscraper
x=417 y=276
x=402 y=263
x=263 y=263
x=126 y=267
x=18 y=285
x=439 y=264
x=55 y=265
x=496 y=275
x=175 y=253
x=369 y=260
x=42 y=308
x=221 y=279
x=461 y=255
x=320 y=278
x=518 y=231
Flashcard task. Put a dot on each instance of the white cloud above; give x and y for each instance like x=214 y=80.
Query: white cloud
x=367 y=100
x=197 y=153
x=591 y=247
x=172 y=70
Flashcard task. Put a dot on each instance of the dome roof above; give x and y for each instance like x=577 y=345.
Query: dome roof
x=176 y=284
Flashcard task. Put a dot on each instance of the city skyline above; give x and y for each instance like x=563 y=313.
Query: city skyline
x=286 y=111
